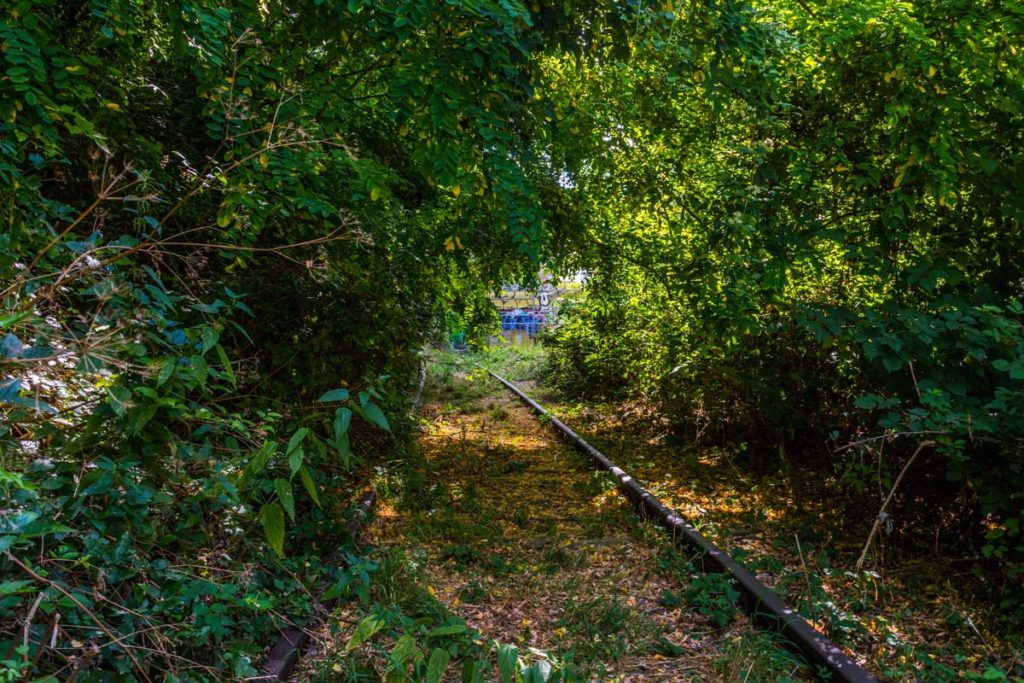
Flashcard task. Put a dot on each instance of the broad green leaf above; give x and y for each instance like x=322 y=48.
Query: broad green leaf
x=166 y=370
x=372 y=413
x=866 y=402
x=120 y=397
x=209 y=337
x=272 y=519
x=450 y=630
x=537 y=672
x=283 y=487
x=16 y=586
x=471 y=671
x=364 y=630
x=296 y=439
x=9 y=390
x=226 y=364
x=342 y=420
x=436 y=665
x=140 y=417
x=307 y=481
x=402 y=649
x=295 y=460
x=344 y=449
x=259 y=461
x=508 y=663
x=334 y=395
x=11 y=318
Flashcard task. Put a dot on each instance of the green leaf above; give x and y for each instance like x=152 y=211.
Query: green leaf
x=344 y=449
x=295 y=460
x=166 y=370
x=342 y=419
x=401 y=651
x=296 y=439
x=226 y=364
x=209 y=337
x=364 y=630
x=16 y=586
x=259 y=461
x=119 y=399
x=272 y=519
x=537 y=672
x=283 y=487
x=471 y=671
x=307 y=481
x=450 y=630
x=334 y=395
x=867 y=402
x=11 y=318
x=372 y=413
x=508 y=662
x=437 y=665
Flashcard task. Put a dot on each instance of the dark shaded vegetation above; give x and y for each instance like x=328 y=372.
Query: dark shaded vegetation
x=229 y=229
x=807 y=249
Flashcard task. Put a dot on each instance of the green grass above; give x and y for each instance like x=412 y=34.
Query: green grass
x=557 y=556
x=760 y=657
x=604 y=629
x=514 y=363
x=397 y=578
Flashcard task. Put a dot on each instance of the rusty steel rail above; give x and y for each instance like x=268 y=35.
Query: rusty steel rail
x=762 y=604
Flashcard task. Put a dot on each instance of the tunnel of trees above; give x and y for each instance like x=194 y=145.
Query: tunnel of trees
x=230 y=228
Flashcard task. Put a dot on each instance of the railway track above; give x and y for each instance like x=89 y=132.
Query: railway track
x=764 y=606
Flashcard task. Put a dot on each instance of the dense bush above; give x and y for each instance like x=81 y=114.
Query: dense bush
x=806 y=229
x=228 y=227
x=227 y=230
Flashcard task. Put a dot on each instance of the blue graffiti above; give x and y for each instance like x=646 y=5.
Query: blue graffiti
x=526 y=321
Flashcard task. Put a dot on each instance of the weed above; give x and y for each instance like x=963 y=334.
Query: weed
x=517 y=363
x=759 y=656
x=545 y=526
x=594 y=485
x=515 y=467
x=349 y=669
x=498 y=565
x=421 y=491
x=558 y=556
x=521 y=517
x=610 y=520
x=463 y=555
x=396 y=578
x=674 y=564
x=454 y=528
x=714 y=596
x=606 y=629
x=670 y=599
x=473 y=592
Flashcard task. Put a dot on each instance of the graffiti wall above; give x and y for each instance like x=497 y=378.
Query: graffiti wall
x=525 y=312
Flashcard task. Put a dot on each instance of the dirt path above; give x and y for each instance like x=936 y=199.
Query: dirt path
x=517 y=535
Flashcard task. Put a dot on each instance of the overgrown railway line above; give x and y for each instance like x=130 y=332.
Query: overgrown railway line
x=758 y=600
x=448 y=450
